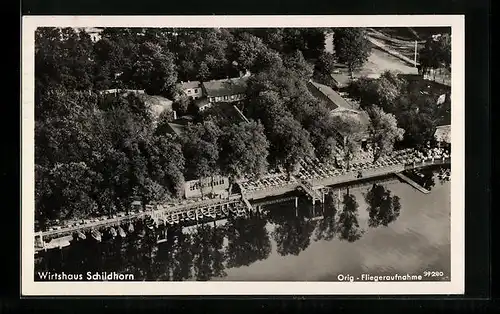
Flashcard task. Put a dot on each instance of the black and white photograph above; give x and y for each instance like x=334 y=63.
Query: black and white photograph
x=258 y=155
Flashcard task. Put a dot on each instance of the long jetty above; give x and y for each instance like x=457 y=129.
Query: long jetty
x=412 y=183
x=175 y=212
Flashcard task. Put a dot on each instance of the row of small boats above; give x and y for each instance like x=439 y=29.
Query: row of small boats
x=97 y=235
x=239 y=210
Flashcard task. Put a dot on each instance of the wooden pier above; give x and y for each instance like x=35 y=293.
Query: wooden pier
x=412 y=183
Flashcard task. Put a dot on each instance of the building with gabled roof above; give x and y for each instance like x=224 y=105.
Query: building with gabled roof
x=225 y=90
x=331 y=97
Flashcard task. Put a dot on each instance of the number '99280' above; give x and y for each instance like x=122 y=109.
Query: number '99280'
x=429 y=273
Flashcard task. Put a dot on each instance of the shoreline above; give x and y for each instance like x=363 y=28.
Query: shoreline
x=181 y=210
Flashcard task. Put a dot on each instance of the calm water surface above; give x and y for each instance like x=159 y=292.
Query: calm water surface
x=388 y=228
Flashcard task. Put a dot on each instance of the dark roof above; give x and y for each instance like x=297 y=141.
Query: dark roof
x=226 y=87
x=189 y=85
x=331 y=95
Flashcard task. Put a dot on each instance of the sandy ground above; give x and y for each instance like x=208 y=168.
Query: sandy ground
x=378 y=62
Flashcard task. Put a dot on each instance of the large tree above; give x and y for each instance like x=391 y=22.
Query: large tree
x=382 y=92
x=384 y=130
x=67 y=191
x=351 y=47
x=418 y=118
x=202 y=53
x=436 y=52
x=351 y=128
x=296 y=63
x=201 y=150
x=322 y=128
x=64 y=58
x=154 y=70
x=325 y=64
x=116 y=52
x=166 y=163
x=246 y=50
x=243 y=150
x=289 y=142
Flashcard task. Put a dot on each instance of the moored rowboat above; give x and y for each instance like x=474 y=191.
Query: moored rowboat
x=81 y=235
x=96 y=235
x=121 y=232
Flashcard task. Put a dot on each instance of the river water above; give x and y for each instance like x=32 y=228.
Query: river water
x=383 y=229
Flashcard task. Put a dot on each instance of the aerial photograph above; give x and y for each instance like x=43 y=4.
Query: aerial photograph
x=242 y=154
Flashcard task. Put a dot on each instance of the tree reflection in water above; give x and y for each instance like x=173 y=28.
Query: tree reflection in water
x=248 y=240
x=383 y=208
x=347 y=224
x=292 y=233
x=326 y=227
x=164 y=262
x=208 y=259
x=181 y=254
